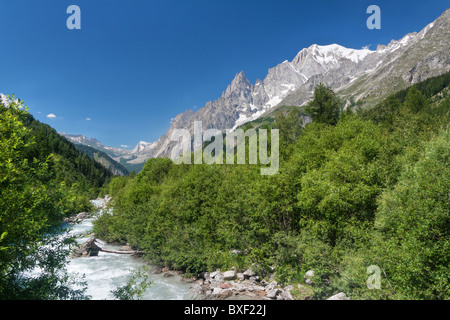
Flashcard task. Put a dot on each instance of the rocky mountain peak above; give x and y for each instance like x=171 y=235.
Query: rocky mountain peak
x=239 y=86
x=415 y=57
x=240 y=77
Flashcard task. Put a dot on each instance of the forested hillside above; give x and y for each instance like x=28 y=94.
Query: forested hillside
x=354 y=189
x=43 y=178
x=80 y=174
x=103 y=159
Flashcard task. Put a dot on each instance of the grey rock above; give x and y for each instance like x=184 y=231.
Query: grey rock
x=238 y=287
x=215 y=283
x=289 y=288
x=286 y=295
x=197 y=288
x=216 y=291
x=200 y=282
x=229 y=275
x=204 y=275
x=272 y=294
x=218 y=276
x=308 y=277
x=258 y=288
x=83 y=215
x=271 y=286
x=339 y=296
x=248 y=273
x=88 y=249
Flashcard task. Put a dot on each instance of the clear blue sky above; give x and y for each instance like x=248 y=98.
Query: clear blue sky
x=135 y=64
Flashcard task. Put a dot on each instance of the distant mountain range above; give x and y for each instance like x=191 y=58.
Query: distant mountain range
x=120 y=161
x=101 y=157
x=361 y=75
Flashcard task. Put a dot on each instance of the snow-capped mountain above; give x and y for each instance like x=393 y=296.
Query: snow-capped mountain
x=392 y=67
x=132 y=160
x=352 y=73
x=243 y=101
x=143 y=147
x=94 y=143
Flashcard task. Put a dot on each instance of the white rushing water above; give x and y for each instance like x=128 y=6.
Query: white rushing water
x=108 y=271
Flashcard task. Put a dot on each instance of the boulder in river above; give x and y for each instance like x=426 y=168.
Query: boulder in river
x=83 y=215
x=87 y=249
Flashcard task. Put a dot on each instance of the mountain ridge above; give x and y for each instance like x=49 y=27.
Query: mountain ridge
x=293 y=82
x=354 y=74
x=131 y=160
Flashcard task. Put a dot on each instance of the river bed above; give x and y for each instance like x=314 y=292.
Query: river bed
x=108 y=271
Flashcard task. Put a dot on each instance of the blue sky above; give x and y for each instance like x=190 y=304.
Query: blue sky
x=136 y=64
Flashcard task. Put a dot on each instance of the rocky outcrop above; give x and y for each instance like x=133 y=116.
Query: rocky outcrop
x=87 y=215
x=249 y=273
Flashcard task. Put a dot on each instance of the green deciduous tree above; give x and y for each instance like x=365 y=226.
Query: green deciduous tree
x=414 y=225
x=30 y=206
x=415 y=100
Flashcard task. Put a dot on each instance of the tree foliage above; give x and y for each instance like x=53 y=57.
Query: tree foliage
x=325 y=106
x=31 y=204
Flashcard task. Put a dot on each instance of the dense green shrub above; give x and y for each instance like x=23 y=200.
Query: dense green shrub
x=358 y=190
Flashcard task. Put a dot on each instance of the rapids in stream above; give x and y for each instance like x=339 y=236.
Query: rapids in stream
x=108 y=271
